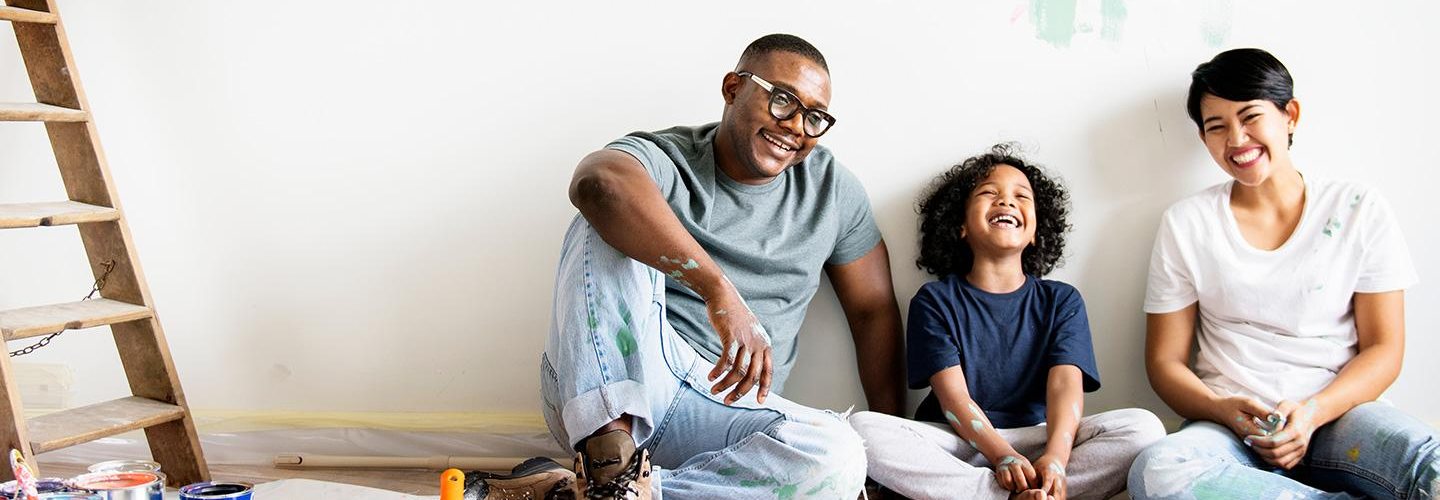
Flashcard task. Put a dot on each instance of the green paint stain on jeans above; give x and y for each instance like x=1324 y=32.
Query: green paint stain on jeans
x=594 y=323
x=786 y=492
x=1114 y=13
x=624 y=338
x=1054 y=21
x=728 y=471
x=754 y=483
x=827 y=484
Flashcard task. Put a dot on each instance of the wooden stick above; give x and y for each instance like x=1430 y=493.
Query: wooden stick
x=438 y=463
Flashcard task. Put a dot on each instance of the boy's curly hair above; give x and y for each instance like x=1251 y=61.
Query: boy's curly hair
x=942 y=212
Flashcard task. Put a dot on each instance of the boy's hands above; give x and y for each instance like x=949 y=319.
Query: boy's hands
x=1015 y=473
x=1050 y=472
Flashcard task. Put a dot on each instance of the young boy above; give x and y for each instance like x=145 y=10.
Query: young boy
x=1006 y=354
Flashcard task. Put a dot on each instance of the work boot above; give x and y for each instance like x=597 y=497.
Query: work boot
x=538 y=478
x=610 y=468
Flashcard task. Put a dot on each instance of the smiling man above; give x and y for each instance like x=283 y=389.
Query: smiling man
x=681 y=290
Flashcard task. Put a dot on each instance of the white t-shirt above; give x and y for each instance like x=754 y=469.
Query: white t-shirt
x=1278 y=324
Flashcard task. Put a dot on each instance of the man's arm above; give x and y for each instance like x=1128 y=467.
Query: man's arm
x=623 y=204
x=868 y=299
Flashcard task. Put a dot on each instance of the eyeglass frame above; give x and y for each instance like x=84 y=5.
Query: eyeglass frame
x=800 y=107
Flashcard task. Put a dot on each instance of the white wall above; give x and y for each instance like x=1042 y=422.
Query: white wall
x=357 y=205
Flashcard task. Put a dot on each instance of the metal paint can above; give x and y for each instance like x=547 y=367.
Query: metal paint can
x=216 y=490
x=43 y=485
x=126 y=466
x=122 y=485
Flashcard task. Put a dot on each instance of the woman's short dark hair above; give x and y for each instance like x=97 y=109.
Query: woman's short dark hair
x=942 y=212
x=1240 y=75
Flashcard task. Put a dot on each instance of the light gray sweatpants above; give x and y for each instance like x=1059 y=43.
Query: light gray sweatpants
x=924 y=460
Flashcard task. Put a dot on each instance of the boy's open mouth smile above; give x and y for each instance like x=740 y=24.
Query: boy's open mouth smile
x=1005 y=221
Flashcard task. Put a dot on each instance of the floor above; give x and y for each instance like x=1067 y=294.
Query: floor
x=413 y=482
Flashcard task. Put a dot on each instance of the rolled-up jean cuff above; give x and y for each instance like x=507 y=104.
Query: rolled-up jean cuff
x=590 y=411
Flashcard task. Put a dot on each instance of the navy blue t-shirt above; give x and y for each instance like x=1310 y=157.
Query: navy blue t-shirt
x=1006 y=344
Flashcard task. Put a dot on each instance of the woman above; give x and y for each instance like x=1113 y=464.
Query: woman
x=1297 y=286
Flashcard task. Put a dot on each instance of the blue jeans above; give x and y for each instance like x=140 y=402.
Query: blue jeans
x=611 y=352
x=1373 y=450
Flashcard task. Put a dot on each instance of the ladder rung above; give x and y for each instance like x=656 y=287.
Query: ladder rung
x=45 y=320
x=88 y=423
x=36 y=112
x=56 y=213
x=26 y=15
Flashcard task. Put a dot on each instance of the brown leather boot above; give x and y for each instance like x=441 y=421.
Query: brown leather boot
x=538 y=478
x=610 y=468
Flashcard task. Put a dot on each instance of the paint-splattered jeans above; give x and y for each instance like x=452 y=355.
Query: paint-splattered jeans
x=611 y=352
x=1373 y=450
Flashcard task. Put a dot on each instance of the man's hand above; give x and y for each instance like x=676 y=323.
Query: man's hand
x=1290 y=439
x=1051 y=472
x=746 y=360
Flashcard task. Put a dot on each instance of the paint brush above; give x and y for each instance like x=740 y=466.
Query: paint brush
x=24 y=478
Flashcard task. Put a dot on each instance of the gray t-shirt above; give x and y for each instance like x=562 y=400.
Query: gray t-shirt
x=772 y=240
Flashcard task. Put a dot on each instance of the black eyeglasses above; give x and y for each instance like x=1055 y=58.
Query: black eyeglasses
x=784 y=105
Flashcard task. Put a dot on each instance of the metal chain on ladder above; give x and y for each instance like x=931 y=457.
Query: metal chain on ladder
x=99 y=284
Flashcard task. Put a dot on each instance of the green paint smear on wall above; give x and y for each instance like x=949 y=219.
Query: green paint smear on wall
x=1054 y=20
x=1114 y=13
x=1215 y=25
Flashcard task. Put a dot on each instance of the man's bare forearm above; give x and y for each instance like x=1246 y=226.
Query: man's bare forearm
x=625 y=207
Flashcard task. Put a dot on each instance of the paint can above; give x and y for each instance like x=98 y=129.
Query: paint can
x=71 y=495
x=216 y=490
x=122 y=485
x=44 y=485
x=126 y=466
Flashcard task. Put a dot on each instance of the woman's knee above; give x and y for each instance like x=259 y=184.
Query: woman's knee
x=1168 y=468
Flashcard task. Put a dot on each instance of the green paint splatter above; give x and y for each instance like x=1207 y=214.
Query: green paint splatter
x=1114 y=14
x=973 y=445
x=827 y=484
x=1007 y=461
x=1054 y=21
x=1225 y=487
x=951 y=417
x=690 y=264
x=754 y=483
x=1332 y=226
x=976 y=425
x=728 y=471
x=594 y=323
x=786 y=492
x=677 y=274
x=624 y=338
x=1215 y=25
x=1355 y=202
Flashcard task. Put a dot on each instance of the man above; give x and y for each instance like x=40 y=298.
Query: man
x=681 y=289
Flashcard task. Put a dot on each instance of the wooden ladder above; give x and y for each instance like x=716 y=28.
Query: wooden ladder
x=157 y=404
